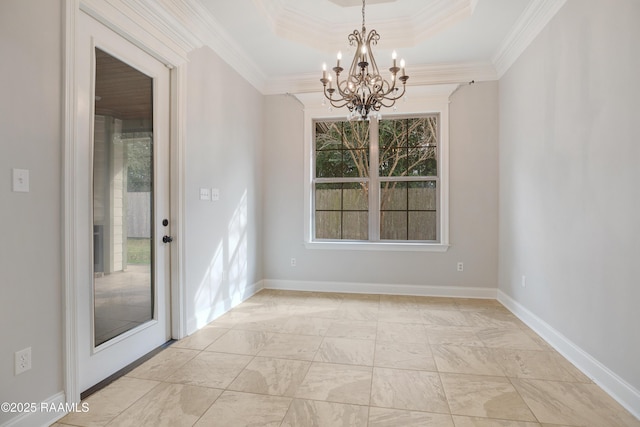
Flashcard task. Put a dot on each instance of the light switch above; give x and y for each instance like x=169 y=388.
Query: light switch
x=21 y=180
x=205 y=194
x=215 y=194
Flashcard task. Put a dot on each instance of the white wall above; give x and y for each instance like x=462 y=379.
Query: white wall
x=569 y=181
x=473 y=205
x=223 y=151
x=30 y=253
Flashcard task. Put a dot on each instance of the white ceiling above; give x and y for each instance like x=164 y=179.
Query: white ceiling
x=294 y=37
x=279 y=45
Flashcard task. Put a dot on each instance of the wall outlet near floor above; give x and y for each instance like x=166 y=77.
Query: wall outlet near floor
x=293 y=262
x=460 y=266
x=22 y=360
x=524 y=281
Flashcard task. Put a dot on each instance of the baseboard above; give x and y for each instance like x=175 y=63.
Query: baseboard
x=204 y=316
x=380 y=288
x=46 y=413
x=616 y=387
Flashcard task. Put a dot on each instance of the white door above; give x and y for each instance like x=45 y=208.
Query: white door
x=122 y=212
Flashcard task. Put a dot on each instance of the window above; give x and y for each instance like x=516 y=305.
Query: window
x=377 y=181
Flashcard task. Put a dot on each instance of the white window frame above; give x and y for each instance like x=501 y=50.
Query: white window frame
x=433 y=103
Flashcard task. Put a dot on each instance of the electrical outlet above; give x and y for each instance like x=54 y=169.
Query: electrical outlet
x=21 y=180
x=293 y=262
x=524 y=281
x=460 y=266
x=23 y=360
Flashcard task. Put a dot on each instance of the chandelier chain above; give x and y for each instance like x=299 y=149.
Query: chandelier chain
x=363 y=28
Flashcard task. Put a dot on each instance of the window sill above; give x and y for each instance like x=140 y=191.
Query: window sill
x=378 y=246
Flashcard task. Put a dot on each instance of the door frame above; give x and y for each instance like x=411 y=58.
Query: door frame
x=116 y=19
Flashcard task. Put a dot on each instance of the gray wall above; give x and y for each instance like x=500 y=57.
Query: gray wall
x=569 y=180
x=223 y=150
x=473 y=205
x=30 y=254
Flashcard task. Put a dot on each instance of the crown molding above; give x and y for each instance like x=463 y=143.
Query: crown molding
x=170 y=29
x=199 y=22
x=534 y=18
x=452 y=73
x=162 y=14
x=424 y=75
x=140 y=26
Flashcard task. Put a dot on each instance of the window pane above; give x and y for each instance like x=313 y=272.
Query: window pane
x=393 y=161
x=422 y=161
x=342 y=149
x=328 y=197
x=355 y=196
x=408 y=147
x=342 y=210
x=408 y=210
x=393 y=196
x=391 y=133
x=328 y=136
x=329 y=164
x=328 y=225
x=356 y=163
x=422 y=196
x=355 y=135
x=355 y=225
x=393 y=225
x=422 y=225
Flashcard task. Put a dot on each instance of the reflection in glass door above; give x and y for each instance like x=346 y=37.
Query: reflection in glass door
x=123 y=238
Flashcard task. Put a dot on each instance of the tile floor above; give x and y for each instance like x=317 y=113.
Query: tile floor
x=310 y=359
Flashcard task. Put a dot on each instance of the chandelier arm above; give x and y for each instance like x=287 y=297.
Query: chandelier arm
x=372 y=39
x=395 y=97
x=335 y=102
x=391 y=88
x=339 y=86
x=382 y=104
x=356 y=39
x=404 y=88
x=390 y=104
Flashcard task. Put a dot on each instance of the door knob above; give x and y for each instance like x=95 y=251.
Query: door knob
x=167 y=239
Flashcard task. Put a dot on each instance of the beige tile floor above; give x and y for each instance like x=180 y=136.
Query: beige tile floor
x=310 y=359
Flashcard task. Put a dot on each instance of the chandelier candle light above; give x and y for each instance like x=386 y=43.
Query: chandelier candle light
x=363 y=90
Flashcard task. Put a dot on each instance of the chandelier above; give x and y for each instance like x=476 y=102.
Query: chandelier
x=363 y=90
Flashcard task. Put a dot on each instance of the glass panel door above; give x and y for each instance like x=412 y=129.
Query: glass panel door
x=123 y=197
x=121 y=202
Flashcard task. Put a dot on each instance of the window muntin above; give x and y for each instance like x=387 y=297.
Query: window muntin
x=392 y=165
